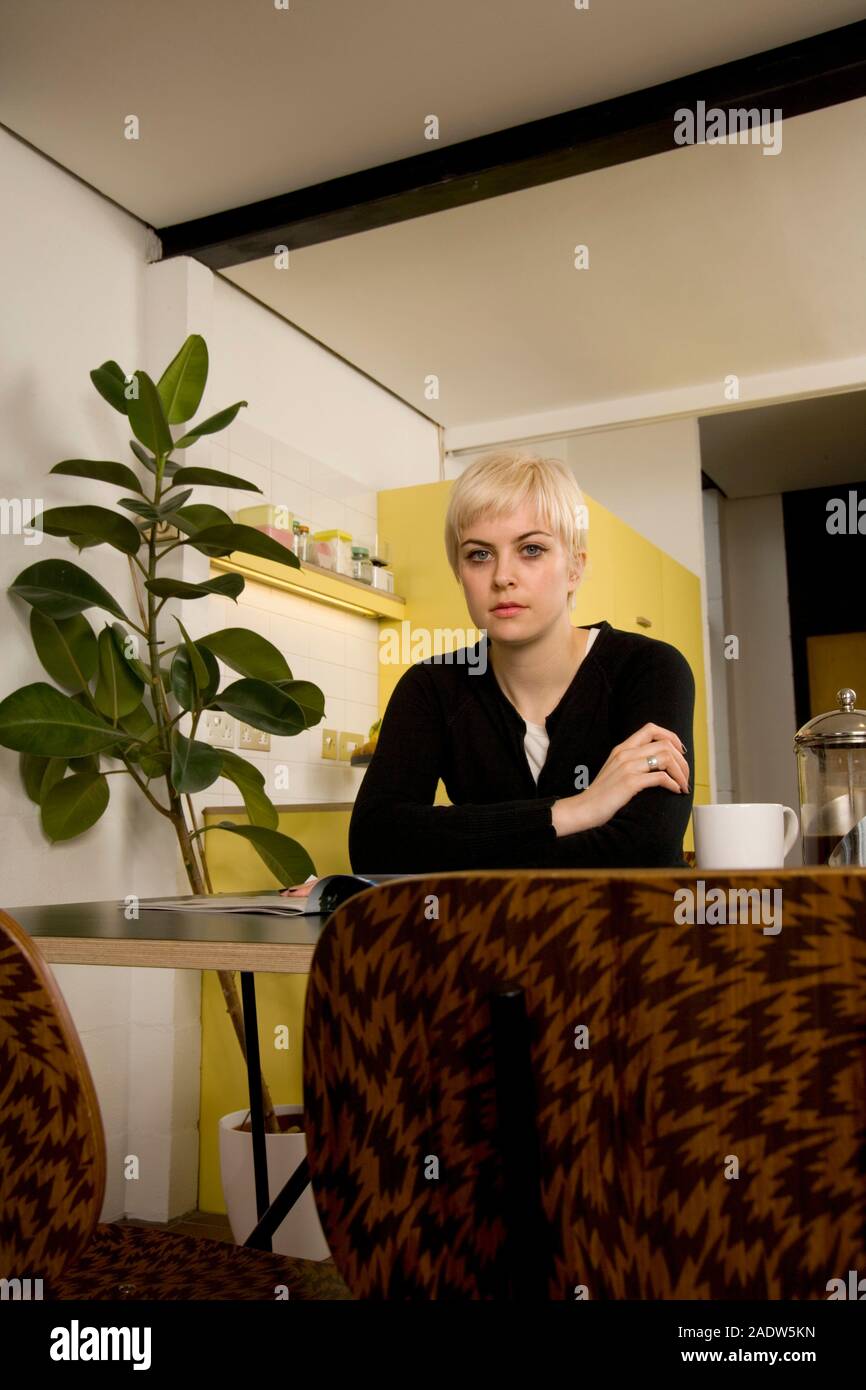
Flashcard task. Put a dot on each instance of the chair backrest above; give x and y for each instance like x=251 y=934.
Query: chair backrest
x=52 y=1144
x=700 y=1088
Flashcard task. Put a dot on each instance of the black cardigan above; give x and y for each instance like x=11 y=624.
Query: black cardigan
x=445 y=720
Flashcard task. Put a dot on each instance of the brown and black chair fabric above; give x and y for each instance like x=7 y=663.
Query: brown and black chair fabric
x=53 y=1169
x=699 y=1089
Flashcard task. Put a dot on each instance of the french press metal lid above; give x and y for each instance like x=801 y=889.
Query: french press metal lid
x=843 y=727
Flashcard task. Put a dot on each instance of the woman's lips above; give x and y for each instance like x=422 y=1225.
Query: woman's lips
x=507 y=610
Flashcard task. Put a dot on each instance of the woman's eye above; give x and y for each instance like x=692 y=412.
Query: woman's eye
x=531 y=545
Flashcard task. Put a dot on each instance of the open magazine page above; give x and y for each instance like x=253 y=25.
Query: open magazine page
x=324 y=896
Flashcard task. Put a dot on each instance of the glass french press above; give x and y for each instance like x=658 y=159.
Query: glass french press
x=831 y=771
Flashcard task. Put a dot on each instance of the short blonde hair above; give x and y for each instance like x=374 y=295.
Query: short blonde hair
x=500 y=482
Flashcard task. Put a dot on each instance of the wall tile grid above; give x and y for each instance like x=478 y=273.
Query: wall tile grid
x=336 y=650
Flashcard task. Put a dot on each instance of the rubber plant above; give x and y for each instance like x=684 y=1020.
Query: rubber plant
x=121 y=694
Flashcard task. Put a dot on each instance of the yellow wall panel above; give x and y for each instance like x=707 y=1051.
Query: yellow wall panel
x=637 y=578
x=595 y=593
x=684 y=630
x=236 y=868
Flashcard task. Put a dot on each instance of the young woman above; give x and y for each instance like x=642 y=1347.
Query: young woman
x=559 y=746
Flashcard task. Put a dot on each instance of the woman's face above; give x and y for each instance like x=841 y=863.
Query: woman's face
x=515 y=574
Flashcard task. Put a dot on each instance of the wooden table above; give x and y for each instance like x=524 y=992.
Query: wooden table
x=99 y=934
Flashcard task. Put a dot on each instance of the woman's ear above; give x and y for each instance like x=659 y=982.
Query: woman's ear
x=576 y=569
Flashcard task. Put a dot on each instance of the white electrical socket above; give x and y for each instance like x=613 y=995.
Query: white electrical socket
x=217 y=728
x=256 y=740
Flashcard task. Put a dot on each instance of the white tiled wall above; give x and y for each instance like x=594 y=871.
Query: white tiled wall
x=335 y=649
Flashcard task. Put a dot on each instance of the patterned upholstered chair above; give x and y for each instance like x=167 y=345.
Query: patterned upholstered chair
x=52 y=1173
x=699 y=1089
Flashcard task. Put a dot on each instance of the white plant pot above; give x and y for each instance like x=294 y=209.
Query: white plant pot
x=300 y=1235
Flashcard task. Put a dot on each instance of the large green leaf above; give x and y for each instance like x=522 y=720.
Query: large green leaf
x=191 y=519
x=287 y=860
x=54 y=773
x=212 y=425
x=263 y=705
x=194 y=765
x=195 y=675
x=140 y=507
x=310 y=698
x=128 y=646
x=32 y=768
x=197 y=516
x=102 y=470
x=164 y=512
x=248 y=653
x=248 y=541
x=182 y=384
x=92 y=525
x=39 y=719
x=60 y=589
x=147 y=417
x=150 y=463
x=119 y=689
x=228 y=585
x=74 y=805
x=212 y=477
x=140 y=722
x=251 y=785
x=66 y=647
x=110 y=382
x=88 y=764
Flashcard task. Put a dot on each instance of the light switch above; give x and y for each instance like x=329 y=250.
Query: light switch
x=347 y=745
x=329 y=743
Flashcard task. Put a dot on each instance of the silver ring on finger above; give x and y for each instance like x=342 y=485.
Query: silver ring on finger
x=652 y=762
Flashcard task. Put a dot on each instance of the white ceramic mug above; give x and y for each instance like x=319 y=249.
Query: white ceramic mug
x=749 y=835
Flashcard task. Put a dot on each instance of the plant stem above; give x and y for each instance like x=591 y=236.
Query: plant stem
x=199 y=847
x=175 y=812
x=226 y=977
x=163 y=811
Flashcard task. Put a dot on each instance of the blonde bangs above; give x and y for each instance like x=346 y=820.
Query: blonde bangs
x=500 y=482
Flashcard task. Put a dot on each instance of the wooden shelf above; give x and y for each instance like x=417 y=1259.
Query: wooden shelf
x=314 y=582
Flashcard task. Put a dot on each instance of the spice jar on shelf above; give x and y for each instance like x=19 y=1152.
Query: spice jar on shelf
x=362 y=566
x=301 y=539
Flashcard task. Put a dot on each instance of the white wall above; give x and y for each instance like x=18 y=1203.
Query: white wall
x=77 y=290
x=761 y=681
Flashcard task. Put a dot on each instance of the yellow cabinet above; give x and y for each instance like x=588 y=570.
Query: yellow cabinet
x=595 y=593
x=637 y=577
x=684 y=630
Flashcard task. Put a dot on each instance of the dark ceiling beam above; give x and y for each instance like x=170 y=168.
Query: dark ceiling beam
x=796 y=78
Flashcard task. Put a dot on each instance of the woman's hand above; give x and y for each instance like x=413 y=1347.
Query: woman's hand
x=624 y=775
x=300 y=890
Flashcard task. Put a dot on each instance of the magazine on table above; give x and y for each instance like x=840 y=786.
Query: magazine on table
x=323 y=896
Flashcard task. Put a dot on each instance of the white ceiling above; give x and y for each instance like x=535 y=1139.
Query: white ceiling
x=704 y=261
x=239 y=101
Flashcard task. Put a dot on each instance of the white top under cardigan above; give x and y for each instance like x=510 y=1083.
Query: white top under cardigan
x=536 y=741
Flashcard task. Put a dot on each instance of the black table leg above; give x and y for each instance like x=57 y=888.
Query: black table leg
x=254 y=1081
x=270 y=1214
